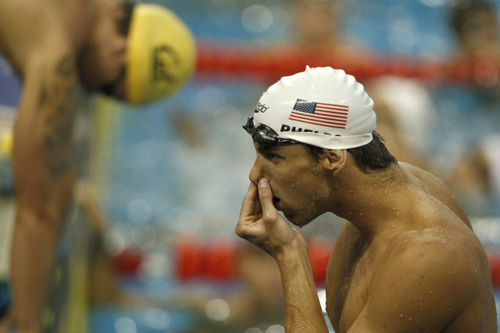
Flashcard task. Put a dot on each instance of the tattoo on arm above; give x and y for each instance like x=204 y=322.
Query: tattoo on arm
x=43 y=95
x=66 y=66
x=55 y=99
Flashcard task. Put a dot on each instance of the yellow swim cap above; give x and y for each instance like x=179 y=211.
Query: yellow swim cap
x=161 y=54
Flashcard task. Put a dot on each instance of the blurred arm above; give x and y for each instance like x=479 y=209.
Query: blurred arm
x=88 y=199
x=44 y=175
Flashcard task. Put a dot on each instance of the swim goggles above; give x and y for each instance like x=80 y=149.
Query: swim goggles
x=263 y=134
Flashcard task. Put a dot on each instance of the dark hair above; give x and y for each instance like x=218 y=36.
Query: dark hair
x=372 y=156
x=126 y=19
x=462 y=9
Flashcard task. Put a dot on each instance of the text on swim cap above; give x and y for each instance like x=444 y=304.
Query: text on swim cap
x=288 y=128
x=260 y=108
x=165 y=59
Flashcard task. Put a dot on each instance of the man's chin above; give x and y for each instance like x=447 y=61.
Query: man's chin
x=293 y=219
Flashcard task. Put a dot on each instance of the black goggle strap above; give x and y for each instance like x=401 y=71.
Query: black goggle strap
x=249 y=126
x=263 y=134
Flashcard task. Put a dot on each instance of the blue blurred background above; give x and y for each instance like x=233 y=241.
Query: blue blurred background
x=170 y=177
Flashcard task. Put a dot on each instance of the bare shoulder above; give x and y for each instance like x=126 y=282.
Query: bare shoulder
x=424 y=280
x=13 y=12
x=446 y=245
x=428 y=179
x=435 y=187
x=435 y=265
x=48 y=30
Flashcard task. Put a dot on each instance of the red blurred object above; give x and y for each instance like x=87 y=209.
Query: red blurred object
x=494 y=258
x=487 y=72
x=232 y=59
x=319 y=254
x=220 y=261
x=215 y=260
x=128 y=261
x=189 y=259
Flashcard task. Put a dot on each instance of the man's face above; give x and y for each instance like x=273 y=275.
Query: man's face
x=315 y=19
x=480 y=30
x=102 y=62
x=297 y=179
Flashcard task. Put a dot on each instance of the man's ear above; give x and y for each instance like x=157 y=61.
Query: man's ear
x=334 y=160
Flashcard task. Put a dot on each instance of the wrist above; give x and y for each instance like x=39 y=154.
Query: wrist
x=292 y=251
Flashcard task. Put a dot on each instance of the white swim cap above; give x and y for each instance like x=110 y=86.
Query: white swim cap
x=322 y=106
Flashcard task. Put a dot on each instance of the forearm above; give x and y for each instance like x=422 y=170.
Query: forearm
x=37 y=230
x=303 y=311
x=33 y=252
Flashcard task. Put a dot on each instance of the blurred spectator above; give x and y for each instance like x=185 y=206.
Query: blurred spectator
x=318 y=28
x=317 y=36
x=405 y=117
x=475 y=24
x=476 y=179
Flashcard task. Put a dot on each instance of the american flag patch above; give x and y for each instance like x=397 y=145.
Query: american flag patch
x=322 y=114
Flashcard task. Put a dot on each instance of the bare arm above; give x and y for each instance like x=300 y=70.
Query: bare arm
x=44 y=174
x=419 y=286
x=261 y=224
x=87 y=198
x=302 y=308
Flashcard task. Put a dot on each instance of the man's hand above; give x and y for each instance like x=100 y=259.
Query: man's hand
x=261 y=224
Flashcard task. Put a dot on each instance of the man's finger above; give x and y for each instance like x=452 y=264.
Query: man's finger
x=248 y=206
x=269 y=212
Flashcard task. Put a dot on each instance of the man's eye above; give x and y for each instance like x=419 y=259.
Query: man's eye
x=272 y=156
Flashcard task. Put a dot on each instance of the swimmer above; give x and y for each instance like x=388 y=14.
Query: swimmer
x=135 y=53
x=407 y=260
x=475 y=26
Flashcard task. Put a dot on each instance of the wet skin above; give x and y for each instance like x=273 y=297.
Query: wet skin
x=293 y=184
x=409 y=260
